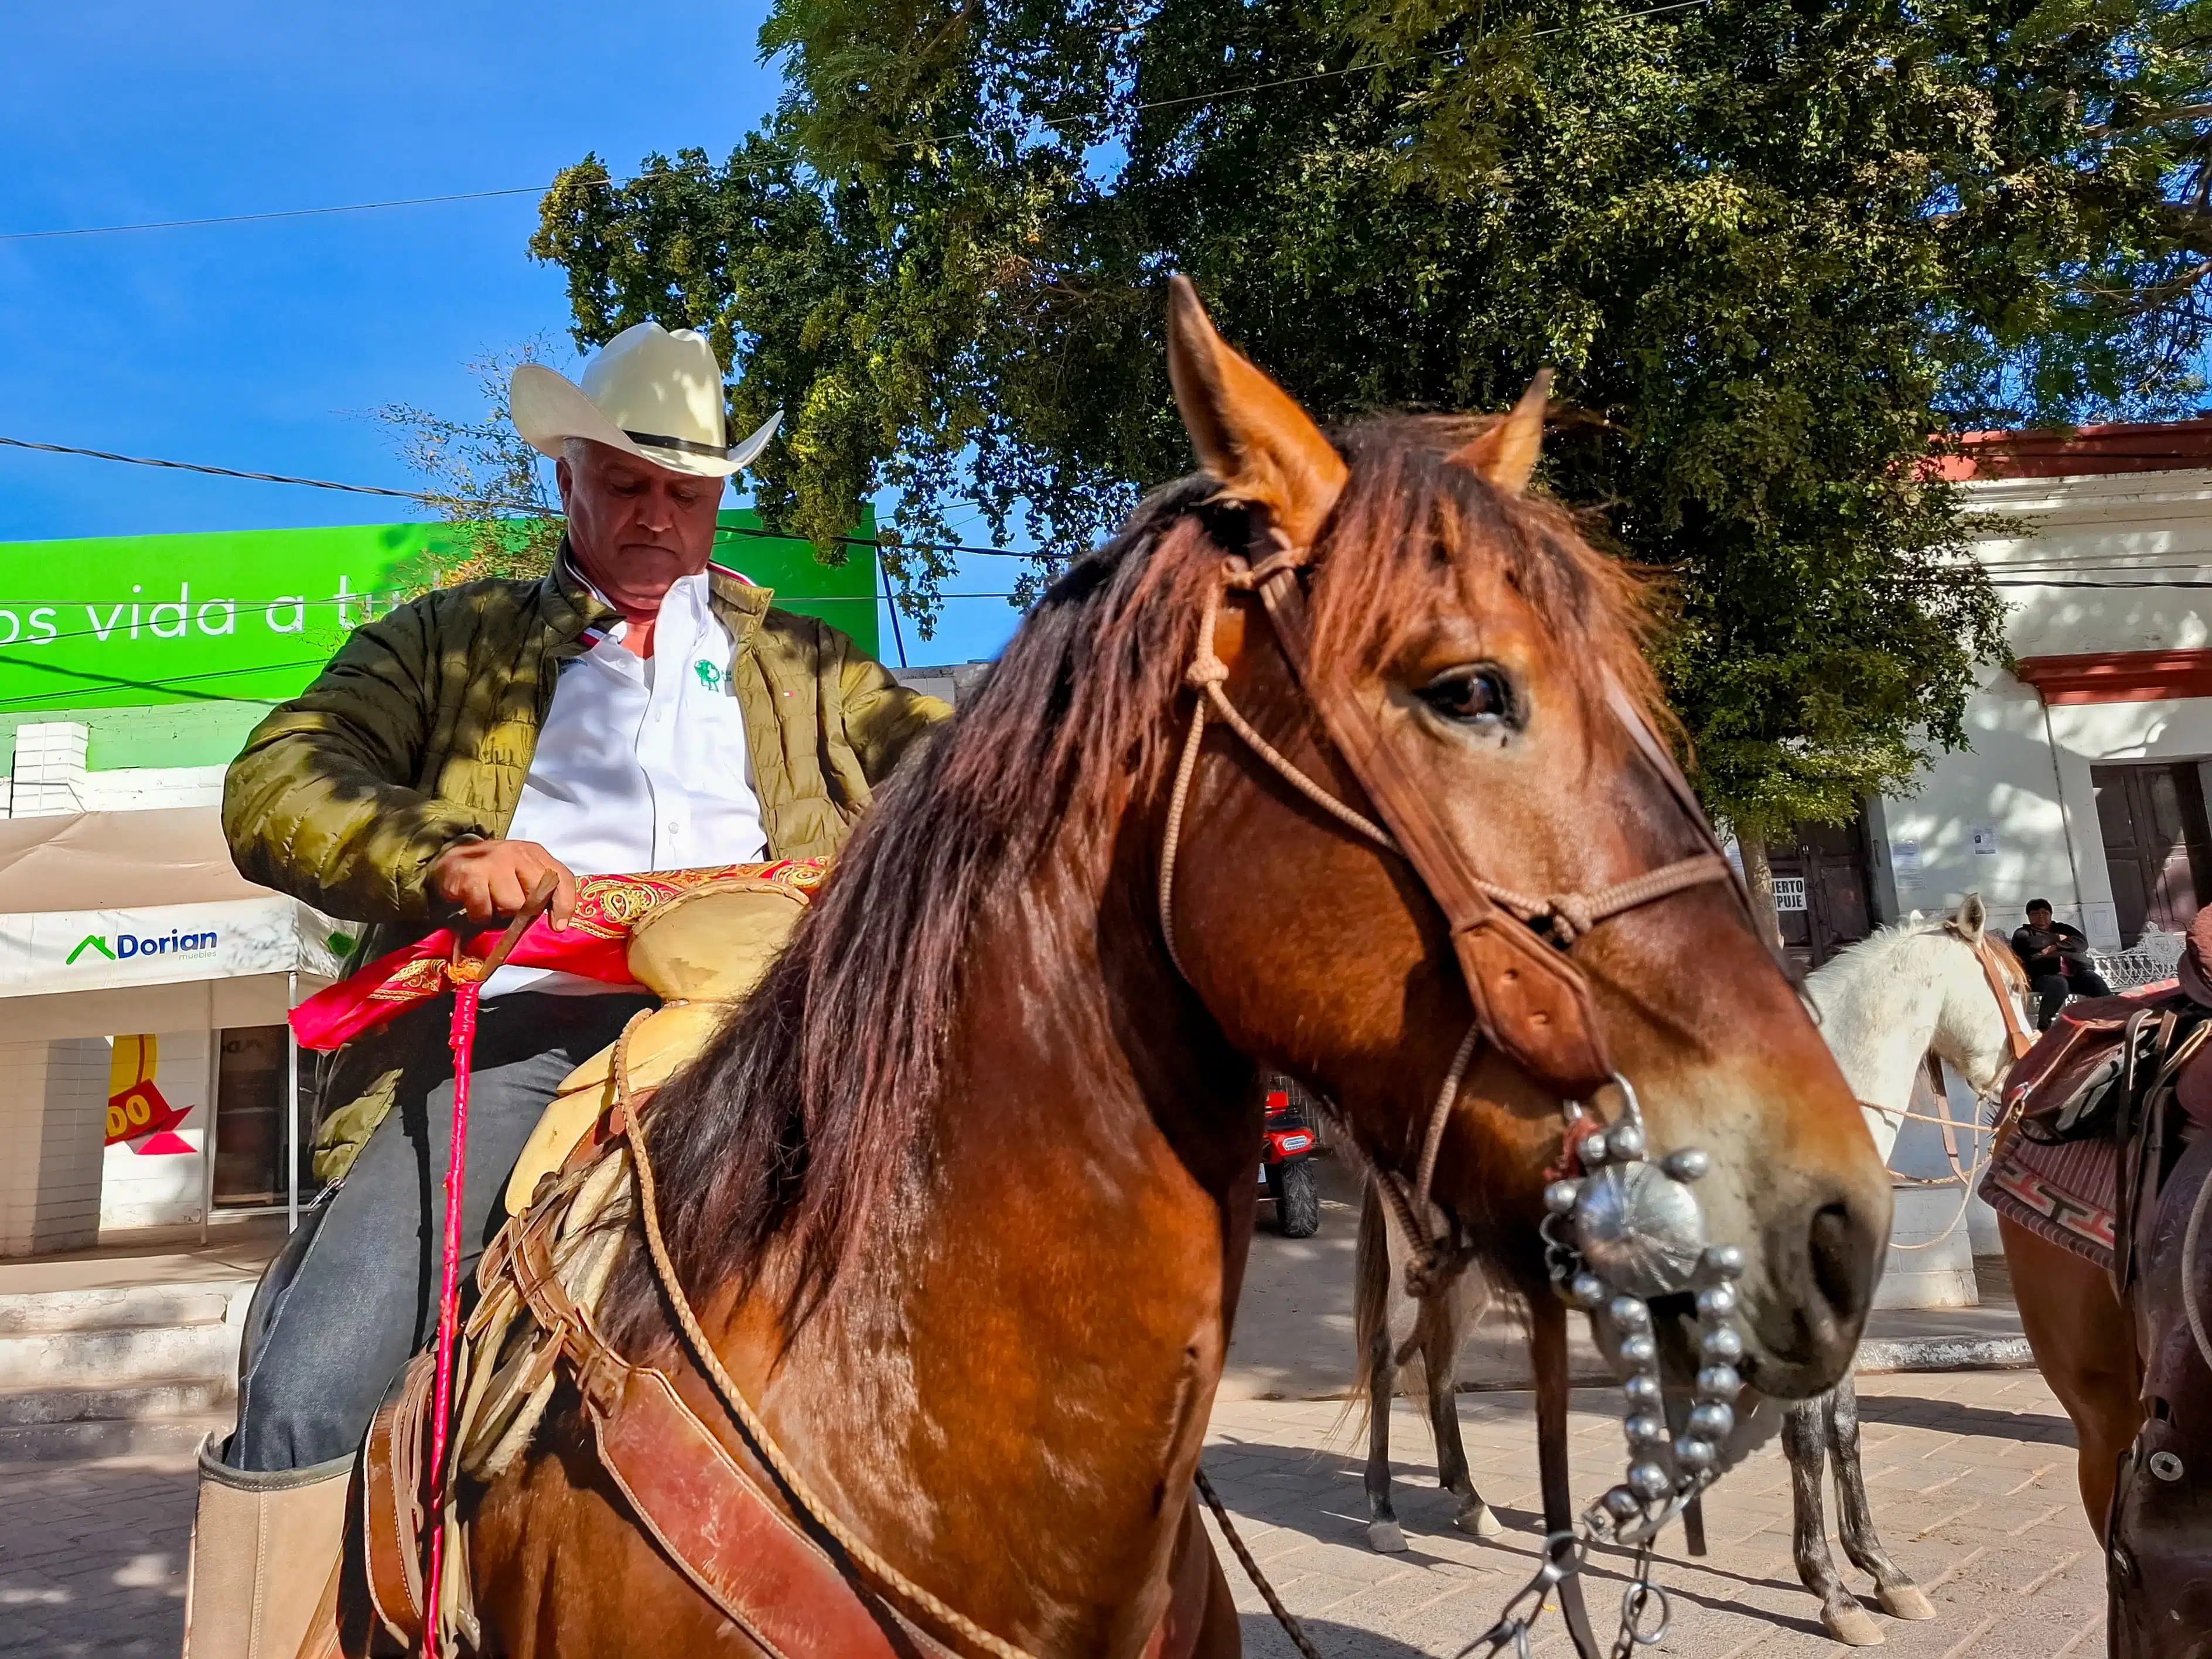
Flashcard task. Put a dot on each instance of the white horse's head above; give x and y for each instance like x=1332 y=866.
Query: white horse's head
x=1921 y=985
x=1972 y=1032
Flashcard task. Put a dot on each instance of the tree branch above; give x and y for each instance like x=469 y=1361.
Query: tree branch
x=2165 y=117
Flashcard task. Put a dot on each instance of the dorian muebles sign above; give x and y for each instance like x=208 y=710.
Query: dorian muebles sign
x=54 y=951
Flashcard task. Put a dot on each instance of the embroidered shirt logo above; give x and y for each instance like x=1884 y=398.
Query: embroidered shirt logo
x=709 y=676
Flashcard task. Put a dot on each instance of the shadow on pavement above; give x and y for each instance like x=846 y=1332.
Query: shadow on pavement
x=92 y=1557
x=1264 y=1640
x=1947 y=1417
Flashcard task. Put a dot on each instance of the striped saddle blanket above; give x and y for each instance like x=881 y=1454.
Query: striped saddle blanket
x=2063 y=1193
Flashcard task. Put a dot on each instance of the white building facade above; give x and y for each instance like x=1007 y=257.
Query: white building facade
x=2088 y=765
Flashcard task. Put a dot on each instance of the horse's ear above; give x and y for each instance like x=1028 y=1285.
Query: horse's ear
x=1247 y=431
x=1970 y=920
x=1505 y=454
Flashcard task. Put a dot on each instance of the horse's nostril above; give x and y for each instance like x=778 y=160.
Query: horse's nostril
x=1842 y=1262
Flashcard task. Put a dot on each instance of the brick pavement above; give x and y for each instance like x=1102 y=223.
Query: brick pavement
x=1971 y=1473
x=1972 y=1476
x=92 y=1555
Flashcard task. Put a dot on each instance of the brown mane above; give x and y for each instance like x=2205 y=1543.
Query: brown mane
x=810 y=1107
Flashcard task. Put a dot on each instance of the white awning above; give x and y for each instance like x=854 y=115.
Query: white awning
x=106 y=918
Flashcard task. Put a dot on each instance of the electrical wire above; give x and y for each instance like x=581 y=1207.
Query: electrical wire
x=1387 y=62
x=524 y=509
x=212 y=471
x=362 y=600
x=253 y=218
x=117 y=683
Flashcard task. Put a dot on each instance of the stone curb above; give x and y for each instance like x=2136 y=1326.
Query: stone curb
x=1945 y=1353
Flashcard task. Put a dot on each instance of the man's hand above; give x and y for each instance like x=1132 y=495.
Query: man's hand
x=489 y=879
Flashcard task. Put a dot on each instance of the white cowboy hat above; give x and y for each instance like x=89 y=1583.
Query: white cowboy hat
x=650 y=393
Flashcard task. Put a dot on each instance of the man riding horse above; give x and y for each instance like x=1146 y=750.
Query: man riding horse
x=639 y=708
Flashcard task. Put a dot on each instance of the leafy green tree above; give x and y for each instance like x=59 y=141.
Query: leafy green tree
x=483 y=480
x=1770 y=245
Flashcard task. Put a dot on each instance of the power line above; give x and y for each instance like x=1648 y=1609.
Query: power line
x=20 y=645
x=1215 y=97
x=116 y=682
x=2053 y=582
x=317 y=212
x=531 y=508
x=212 y=471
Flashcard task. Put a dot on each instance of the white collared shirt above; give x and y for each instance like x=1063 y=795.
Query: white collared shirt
x=642 y=764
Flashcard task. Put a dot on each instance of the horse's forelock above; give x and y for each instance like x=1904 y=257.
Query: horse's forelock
x=1412 y=517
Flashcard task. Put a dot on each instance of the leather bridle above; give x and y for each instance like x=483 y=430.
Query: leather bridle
x=2016 y=1031
x=1530 y=998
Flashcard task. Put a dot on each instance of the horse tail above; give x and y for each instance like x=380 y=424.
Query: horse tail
x=1370 y=1303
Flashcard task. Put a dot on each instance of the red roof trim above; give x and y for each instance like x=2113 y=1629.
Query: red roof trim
x=2118 y=676
x=2143 y=447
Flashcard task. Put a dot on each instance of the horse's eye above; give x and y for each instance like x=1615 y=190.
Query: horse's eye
x=1473 y=696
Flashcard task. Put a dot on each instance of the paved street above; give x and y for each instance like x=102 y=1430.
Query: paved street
x=1972 y=1474
x=1973 y=1479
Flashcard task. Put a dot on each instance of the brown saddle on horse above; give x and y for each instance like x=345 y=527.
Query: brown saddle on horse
x=2111 y=1069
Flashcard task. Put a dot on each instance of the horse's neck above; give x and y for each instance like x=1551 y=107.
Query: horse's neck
x=1879 y=1015
x=1011 y=1394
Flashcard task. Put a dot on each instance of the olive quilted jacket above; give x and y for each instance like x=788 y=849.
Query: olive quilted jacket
x=419 y=732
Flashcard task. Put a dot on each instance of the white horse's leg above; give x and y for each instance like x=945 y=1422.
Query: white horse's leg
x=1899 y=1596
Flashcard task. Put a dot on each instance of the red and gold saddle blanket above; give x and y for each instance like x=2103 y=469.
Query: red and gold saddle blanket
x=593 y=945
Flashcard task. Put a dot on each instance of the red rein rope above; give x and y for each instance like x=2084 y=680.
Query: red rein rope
x=468 y=975
x=462 y=1039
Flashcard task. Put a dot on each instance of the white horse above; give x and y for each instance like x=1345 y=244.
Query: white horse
x=1884 y=1006
x=1886 y=1003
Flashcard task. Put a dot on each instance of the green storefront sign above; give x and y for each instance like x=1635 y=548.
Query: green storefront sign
x=139 y=621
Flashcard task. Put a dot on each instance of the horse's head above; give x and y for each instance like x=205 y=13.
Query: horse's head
x=1983 y=1022
x=1467 y=652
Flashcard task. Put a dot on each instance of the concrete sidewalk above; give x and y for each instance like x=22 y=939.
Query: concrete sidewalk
x=1971 y=1475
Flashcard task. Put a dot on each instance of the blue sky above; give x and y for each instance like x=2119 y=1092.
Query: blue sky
x=263 y=346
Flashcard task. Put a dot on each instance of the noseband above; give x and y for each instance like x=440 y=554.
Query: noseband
x=1621 y=1230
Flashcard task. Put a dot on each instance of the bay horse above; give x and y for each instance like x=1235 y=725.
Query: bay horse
x=963 y=1196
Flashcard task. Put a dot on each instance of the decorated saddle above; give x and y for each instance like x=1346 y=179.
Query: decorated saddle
x=2096 y=1113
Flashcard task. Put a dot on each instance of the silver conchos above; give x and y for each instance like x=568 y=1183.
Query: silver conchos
x=1639 y=1230
x=1628 y=1230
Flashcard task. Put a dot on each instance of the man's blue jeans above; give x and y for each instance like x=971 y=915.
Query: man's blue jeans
x=355 y=1292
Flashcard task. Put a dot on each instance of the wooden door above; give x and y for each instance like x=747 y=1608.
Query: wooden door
x=1822 y=891
x=1837 y=887
x=2158 y=849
